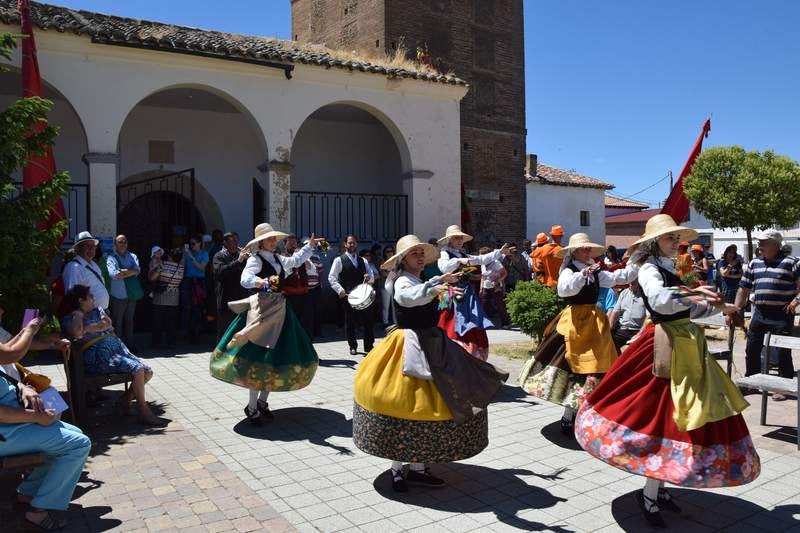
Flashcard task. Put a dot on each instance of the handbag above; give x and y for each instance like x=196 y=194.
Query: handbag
x=37 y=381
x=162 y=286
x=133 y=288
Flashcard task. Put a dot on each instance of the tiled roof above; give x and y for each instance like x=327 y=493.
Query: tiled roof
x=615 y=201
x=109 y=29
x=555 y=176
x=636 y=216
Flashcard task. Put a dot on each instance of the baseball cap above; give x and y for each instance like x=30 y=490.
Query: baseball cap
x=769 y=235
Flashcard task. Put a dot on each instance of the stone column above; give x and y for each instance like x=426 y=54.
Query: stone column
x=103 y=171
x=279 y=211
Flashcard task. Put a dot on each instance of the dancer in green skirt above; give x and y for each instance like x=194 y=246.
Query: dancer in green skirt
x=265 y=348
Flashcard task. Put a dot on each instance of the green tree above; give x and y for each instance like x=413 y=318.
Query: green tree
x=749 y=190
x=532 y=306
x=25 y=250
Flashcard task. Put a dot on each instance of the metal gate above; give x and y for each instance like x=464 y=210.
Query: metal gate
x=76 y=209
x=376 y=218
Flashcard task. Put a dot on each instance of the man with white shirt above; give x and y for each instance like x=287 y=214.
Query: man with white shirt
x=347 y=272
x=84 y=271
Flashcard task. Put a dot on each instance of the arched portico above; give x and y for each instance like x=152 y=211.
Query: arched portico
x=349 y=164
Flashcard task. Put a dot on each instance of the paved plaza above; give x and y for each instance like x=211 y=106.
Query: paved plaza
x=211 y=471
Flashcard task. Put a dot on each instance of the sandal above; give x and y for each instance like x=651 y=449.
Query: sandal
x=48 y=523
x=666 y=501
x=253 y=416
x=650 y=510
x=263 y=408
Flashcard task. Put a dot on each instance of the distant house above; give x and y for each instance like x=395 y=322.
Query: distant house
x=556 y=196
x=622 y=230
x=719 y=239
x=619 y=206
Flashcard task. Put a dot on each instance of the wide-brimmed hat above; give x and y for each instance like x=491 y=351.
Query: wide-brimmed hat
x=405 y=245
x=541 y=239
x=264 y=231
x=556 y=230
x=661 y=225
x=454 y=231
x=581 y=240
x=83 y=237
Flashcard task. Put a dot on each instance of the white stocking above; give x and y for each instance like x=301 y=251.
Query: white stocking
x=416 y=467
x=263 y=395
x=569 y=414
x=651 y=487
x=253 y=403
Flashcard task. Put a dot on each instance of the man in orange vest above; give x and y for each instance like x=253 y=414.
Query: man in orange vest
x=683 y=263
x=550 y=263
x=537 y=266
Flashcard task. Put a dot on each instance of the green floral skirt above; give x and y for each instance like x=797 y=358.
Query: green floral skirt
x=289 y=365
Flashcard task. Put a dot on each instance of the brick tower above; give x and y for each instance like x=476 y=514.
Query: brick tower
x=481 y=41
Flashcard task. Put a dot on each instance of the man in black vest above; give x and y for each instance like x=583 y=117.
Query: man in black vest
x=228 y=264
x=295 y=288
x=347 y=272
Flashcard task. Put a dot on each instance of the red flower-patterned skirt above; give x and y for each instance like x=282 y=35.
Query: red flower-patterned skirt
x=627 y=422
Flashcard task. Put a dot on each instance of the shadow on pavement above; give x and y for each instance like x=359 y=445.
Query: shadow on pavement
x=552 y=432
x=338 y=363
x=478 y=489
x=316 y=425
x=783 y=434
x=708 y=510
x=512 y=394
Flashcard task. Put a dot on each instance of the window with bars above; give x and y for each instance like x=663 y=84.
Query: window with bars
x=585 y=218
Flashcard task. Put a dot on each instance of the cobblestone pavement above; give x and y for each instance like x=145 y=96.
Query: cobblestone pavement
x=210 y=471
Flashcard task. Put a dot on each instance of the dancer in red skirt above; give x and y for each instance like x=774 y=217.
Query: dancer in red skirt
x=464 y=320
x=666 y=409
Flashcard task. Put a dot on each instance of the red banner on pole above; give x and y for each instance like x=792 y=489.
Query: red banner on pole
x=40 y=168
x=677 y=205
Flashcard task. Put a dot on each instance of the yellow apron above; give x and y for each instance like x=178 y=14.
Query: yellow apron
x=587 y=334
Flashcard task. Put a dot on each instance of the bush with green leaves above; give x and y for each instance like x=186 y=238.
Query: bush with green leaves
x=532 y=306
x=26 y=251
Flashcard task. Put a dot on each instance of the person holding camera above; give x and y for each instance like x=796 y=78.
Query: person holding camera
x=228 y=266
x=166 y=274
x=26 y=426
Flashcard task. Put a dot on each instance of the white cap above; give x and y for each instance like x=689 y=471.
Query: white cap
x=769 y=235
x=155 y=249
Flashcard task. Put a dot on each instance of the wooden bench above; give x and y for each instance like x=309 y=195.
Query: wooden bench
x=720 y=354
x=16 y=462
x=767 y=383
x=78 y=383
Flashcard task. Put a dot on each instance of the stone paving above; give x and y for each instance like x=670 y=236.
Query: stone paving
x=211 y=471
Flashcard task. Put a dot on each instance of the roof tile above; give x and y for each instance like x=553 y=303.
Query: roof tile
x=556 y=176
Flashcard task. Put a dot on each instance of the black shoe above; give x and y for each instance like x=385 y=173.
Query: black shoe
x=398 y=483
x=667 y=502
x=567 y=428
x=254 y=417
x=367 y=350
x=353 y=351
x=652 y=515
x=263 y=408
x=424 y=478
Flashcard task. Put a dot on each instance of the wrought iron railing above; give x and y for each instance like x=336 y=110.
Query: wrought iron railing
x=76 y=207
x=377 y=218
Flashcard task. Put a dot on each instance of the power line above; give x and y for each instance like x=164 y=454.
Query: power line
x=637 y=193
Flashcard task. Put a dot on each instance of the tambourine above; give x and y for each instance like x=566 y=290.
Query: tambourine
x=361 y=297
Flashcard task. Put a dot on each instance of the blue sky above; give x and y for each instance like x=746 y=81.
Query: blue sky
x=617 y=90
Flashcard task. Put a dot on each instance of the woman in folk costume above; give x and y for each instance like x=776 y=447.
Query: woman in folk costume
x=420 y=397
x=577 y=348
x=265 y=348
x=463 y=318
x=666 y=410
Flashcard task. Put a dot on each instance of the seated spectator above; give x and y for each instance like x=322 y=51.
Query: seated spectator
x=27 y=427
x=627 y=316
x=92 y=332
x=165 y=275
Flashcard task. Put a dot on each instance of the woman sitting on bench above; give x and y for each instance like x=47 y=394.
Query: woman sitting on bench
x=27 y=428
x=92 y=333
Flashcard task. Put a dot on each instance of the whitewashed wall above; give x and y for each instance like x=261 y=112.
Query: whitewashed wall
x=549 y=204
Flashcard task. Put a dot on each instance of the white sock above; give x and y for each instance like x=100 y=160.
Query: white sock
x=397 y=466
x=253 y=403
x=651 y=487
x=417 y=467
x=569 y=414
x=263 y=395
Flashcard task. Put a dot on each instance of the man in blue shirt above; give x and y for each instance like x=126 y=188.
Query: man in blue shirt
x=123 y=264
x=774 y=279
x=195 y=260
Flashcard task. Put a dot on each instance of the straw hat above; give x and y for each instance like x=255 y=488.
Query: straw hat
x=581 y=240
x=661 y=225
x=541 y=239
x=454 y=231
x=264 y=231
x=405 y=245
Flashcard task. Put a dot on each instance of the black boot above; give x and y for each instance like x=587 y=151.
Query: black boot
x=650 y=510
